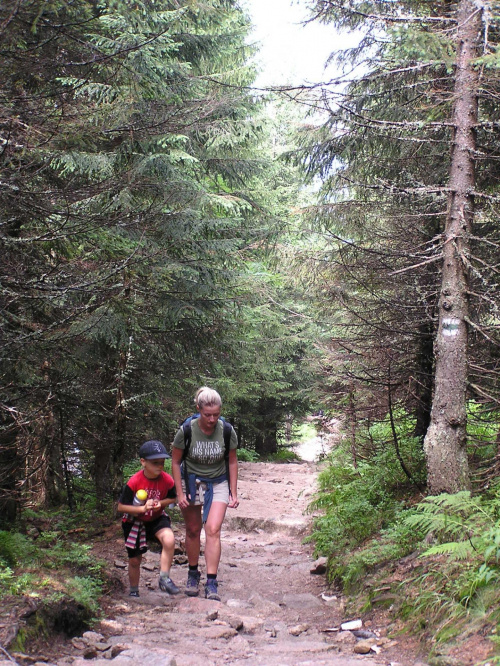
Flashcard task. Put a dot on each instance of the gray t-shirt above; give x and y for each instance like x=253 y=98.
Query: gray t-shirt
x=206 y=453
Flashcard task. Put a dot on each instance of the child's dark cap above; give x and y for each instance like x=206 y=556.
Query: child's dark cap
x=153 y=449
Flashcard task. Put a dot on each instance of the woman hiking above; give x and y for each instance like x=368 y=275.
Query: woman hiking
x=205 y=471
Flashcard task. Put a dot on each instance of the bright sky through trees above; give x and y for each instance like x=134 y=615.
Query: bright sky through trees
x=290 y=51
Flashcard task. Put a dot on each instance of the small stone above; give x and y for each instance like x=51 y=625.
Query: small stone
x=363 y=647
x=78 y=643
x=350 y=626
x=148 y=567
x=319 y=566
x=120 y=564
x=237 y=603
x=345 y=637
x=90 y=652
x=102 y=647
x=212 y=615
x=112 y=626
x=92 y=637
x=251 y=624
x=364 y=633
x=240 y=643
x=298 y=629
x=235 y=622
x=180 y=559
x=216 y=632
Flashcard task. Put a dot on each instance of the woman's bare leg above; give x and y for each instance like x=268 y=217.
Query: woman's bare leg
x=212 y=534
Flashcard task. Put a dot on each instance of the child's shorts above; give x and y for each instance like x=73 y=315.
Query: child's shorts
x=221 y=492
x=152 y=527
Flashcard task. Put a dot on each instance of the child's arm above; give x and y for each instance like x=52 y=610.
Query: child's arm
x=137 y=509
x=125 y=503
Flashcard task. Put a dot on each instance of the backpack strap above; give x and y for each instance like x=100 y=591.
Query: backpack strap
x=186 y=428
x=227 y=428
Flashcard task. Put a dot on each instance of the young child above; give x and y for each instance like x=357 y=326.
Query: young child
x=148 y=520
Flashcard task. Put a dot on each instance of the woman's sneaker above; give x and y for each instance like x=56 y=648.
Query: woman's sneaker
x=193 y=583
x=211 y=590
x=168 y=585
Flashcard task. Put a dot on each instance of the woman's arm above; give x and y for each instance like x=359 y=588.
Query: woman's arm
x=182 y=500
x=233 y=478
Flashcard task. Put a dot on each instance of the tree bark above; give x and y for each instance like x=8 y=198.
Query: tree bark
x=445 y=442
x=266 y=441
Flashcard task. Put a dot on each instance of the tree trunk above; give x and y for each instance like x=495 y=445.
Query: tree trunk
x=10 y=461
x=266 y=439
x=445 y=442
x=351 y=411
x=266 y=443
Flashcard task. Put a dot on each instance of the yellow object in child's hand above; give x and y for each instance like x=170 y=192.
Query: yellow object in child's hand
x=142 y=495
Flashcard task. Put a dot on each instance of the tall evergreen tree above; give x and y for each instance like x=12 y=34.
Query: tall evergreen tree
x=390 y=183
x=127 y=153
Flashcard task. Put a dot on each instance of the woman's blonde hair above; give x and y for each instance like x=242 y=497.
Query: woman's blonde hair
x=207 y=397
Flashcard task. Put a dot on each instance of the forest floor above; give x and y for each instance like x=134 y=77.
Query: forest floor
x=274 y=610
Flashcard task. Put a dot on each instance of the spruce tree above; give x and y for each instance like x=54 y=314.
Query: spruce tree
x=388 y=157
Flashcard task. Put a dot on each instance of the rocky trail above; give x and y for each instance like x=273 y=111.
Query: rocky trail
x=274 y=611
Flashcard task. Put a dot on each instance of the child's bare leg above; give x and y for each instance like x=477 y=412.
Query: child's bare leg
x=134 y=570
x=167 y=540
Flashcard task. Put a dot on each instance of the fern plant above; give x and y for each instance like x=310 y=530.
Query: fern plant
x=464 y=579
x=357 y=502
x=464 y=526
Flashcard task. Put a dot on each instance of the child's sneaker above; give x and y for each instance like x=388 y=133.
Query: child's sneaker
x=133 y=593
x=168 y=585
x=192 y=585
x=211 y=590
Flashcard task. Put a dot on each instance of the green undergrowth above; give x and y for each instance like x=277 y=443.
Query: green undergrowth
x=247 y=455
x=47 y=564
x=282 y=455
x=304 y=431
x=431 y=563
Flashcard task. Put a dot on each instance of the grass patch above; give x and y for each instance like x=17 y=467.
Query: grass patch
x=247 y=455
x=282 y=455
x=45 y=564
x=304 y=431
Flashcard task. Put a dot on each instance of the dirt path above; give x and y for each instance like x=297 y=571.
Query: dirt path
x=272 y=611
